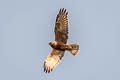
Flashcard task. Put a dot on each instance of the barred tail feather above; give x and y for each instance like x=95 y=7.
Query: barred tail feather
x=75 y=49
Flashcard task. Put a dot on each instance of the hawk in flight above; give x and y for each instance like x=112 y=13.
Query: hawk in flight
x=59 y=45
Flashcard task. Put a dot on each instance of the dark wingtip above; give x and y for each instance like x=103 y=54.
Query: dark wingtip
x=63 y=10
x=46 y=69
x=66 y=13
x=60 y=11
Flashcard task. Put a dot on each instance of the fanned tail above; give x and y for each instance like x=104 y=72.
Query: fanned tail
x=75 y=49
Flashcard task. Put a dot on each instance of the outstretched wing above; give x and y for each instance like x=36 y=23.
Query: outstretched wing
x=61 y=26
x=52 y=60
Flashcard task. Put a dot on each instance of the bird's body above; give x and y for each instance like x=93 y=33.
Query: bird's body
x=59 y=46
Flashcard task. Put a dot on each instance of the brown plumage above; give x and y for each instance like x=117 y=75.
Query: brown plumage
x=59 y=45
x=61 y=26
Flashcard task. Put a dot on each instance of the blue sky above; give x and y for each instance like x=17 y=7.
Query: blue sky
x=26 y=27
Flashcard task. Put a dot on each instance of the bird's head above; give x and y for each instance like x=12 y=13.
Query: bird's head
x=53 y=44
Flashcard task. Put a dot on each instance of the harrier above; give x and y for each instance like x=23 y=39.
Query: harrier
x=59 y=45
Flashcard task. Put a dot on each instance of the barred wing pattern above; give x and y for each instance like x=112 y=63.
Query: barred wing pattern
x=52 y=60
x=61 y=26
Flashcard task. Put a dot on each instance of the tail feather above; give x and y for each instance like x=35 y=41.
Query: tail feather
x=75 y=49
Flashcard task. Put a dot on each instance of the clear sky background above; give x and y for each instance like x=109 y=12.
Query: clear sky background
x=26 y=27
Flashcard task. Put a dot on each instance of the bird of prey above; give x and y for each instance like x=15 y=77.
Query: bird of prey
x=59 y=45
